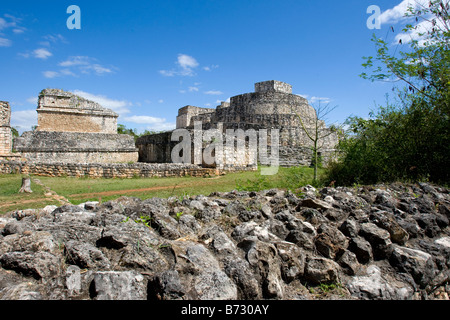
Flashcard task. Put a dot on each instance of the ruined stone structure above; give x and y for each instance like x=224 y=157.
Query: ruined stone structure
x=79 y=137
x=62 y=111
x=105 y=170
x=75 y=130
x=5 y=128
x=271 y=106
x=157 y=148
x=6 y=140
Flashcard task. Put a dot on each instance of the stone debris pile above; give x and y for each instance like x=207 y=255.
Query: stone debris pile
x=386 y=242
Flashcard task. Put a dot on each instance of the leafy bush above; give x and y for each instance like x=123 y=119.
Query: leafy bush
x=410 y=139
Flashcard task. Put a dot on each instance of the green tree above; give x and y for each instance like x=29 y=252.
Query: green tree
x=424 y=65
x=316 y=131
x=121 y=129
x=408 y=140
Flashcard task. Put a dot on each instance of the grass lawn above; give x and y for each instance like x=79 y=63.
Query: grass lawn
x=79 y=190
x=10 y=199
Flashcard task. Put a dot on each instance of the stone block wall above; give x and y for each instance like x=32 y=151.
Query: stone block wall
x=74 y=147
x=158 y=148
x=273 y=85
x=87 y=156
x=102 y=170
x=58 y=121
x=5 y=129
x=186 y=114
x=5 y=113
x=270 y=103
x=62 y=111
x=155 y=148
x=5 y=140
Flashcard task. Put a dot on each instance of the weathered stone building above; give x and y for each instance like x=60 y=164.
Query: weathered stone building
x=60 y=111
x=5 y=129
x=6 y=138
x=271 y=106
x=72 y=129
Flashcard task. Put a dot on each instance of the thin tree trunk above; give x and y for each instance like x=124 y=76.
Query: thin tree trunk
x=315 y=160
x=26 y=186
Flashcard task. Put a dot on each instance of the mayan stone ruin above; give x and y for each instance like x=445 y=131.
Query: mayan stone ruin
x=73 y=129
x=61 y=111
x=271 y=106
x=6 y=138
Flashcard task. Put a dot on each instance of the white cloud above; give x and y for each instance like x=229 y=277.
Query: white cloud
x=67 y=72
x=119 y=106
x=320 y=100
x=24 y=120
x=55 y=74
x=192 y=89
x=210 y=68
x=421 y=27
x=397 y=13
x=186 y=65
x=75 y=61
x=214 y=92
x=5 y=42
x=84 y=65
x=167 y=73
x=144 y=119
x=3 y=24
x=50 y=74
x=8 y=22
x=42 y=53
x=55 y=38
x=161 y=101
x=98 y=69
x=153 y=123
x=162 y=127
x=14 y=20
x=187 y=62
x=12 y=23
x=32 y=100
x=19 y=30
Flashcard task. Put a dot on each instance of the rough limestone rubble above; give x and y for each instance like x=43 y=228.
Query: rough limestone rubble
x=380 y=242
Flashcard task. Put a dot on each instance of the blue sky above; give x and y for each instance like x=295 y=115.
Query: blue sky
x=147 y=59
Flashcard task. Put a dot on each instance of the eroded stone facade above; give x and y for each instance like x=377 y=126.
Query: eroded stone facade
x=6 y=137
x=271 y=106
x=5 y=128
x=106 y=170
x=76 y=147
x=72 y=129
x=62 y=111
